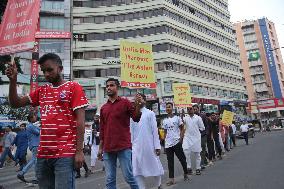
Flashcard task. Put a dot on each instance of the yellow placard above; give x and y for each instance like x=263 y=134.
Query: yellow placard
x=182 y=96
x=227 y=118
x=137 y=65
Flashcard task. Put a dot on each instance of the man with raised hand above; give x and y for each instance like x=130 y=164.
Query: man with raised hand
x=146 y=148
x=62 y=107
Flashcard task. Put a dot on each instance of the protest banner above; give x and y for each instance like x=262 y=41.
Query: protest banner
x=182 y=96
x=227 y=118
x=17 y=32
x=137 y=65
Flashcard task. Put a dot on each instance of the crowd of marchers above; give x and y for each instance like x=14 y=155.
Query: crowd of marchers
x=122 y=132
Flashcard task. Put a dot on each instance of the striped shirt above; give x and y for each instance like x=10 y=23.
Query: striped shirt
x=57 y=108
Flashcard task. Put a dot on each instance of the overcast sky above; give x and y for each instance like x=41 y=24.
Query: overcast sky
x=253 y=9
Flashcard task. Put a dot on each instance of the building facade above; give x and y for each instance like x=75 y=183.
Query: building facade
x=262 y=66
x=192 y=42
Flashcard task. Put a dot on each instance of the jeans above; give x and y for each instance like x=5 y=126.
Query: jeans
x=245 y=134
x=56 y=173
x=217 y=144
x=6 y=152
x=204 y=153
x=232 y=140
x=211 y=149
x=31 y=163
x=22 y=162
x=125 y=160
x=177 y=149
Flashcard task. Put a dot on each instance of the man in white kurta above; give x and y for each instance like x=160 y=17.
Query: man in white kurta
x=192 y=139
x=146 y=148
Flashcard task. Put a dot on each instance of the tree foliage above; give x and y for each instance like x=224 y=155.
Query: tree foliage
x=3 y=4
x=7 y=58
x=17 y=114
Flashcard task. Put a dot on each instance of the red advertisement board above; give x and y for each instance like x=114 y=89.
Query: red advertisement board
x=17 y=32
x=53 y=35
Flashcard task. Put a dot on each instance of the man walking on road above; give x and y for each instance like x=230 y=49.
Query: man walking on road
x=115 y=137
x=204 y=133
x=7 y=144
x=21 y=142
x=173 y=127
x=62 y=111
x=233 y=130
x=192 y=139
x=146 y=148
x=244 y=130
x=33 y=134
x=213 y=124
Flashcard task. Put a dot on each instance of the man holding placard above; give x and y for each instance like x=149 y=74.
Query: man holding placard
x=115 y=138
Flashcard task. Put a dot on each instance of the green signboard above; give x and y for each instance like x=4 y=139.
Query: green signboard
x=254 y=56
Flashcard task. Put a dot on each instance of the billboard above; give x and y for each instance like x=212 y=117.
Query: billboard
x=270 y=59
x=17 y=32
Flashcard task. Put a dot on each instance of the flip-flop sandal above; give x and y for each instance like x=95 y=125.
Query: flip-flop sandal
x=170 y=183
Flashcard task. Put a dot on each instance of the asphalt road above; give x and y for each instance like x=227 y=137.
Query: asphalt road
x=257 y=166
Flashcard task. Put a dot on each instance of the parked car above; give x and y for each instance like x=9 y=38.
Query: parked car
x=251 y=132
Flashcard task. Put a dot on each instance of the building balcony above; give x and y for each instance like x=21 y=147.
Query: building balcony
x=259 y=81
x=255 y=64
x=261 y=89
x=257 y=73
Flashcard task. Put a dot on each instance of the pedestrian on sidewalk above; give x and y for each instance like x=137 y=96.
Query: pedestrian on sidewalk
x=33 y=135
x=21 y=142
x=95 y=140
x=173 y=127
x=146 y=148
x=204 y=135
x=62 y=109
x=115 y=137
x=192 y=139
x=8 y=139
x=233 y=130
x=244 y=130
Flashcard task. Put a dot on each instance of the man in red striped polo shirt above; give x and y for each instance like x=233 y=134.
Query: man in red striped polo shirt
x=62 y=111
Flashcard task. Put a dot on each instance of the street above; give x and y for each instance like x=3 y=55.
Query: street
x=257 y=166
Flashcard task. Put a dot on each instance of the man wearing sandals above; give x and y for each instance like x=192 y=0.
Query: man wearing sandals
x=173 y=126
x=192 y=139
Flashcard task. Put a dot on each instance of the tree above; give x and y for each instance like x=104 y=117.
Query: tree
x=7 y=58
x=15 y=114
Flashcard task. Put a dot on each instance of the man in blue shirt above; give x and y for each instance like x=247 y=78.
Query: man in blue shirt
x=21 y=142
x=33 y=133
x=7 y=144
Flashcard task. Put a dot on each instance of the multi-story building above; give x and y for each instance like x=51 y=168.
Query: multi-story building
x=192 y=42
x=262 y=65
